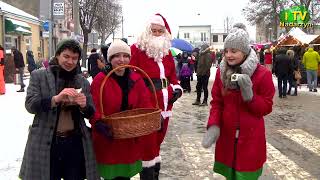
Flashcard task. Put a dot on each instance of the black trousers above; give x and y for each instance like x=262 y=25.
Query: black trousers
x=67 y=158
x=282 y=85
x=185 y=83
x=202 y=84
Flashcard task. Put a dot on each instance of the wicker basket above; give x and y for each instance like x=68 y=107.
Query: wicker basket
x=135 y=122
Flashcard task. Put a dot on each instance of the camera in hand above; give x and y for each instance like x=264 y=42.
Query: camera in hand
x=234 y=77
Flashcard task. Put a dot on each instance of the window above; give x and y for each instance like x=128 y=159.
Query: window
x=224 y=37
x=203 y=36
x=28 y=43
x=215 y=38
x=186 y=35
x=8 y=42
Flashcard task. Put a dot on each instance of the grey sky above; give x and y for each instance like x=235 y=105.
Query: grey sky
x=182 y=12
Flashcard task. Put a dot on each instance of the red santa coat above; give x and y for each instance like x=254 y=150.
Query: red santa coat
x=228 y=109
x=157 y=70
x=117 y=151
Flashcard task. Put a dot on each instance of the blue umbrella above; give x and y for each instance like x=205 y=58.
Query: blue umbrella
x=182 y=45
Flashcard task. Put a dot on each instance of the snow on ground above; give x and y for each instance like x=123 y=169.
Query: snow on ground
x=13 y=132
x=16 y=120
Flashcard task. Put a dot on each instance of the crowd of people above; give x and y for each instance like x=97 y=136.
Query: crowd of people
x=288 y=64
x=60 y=145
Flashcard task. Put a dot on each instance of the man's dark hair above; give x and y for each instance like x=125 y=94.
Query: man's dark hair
x=104 y=51
x=93 y=50
x=69 y=44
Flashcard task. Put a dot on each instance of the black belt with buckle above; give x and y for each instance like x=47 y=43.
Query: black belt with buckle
x=158 y=83
x=68 y=133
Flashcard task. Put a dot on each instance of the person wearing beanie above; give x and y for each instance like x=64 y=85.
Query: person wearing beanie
x=203 y=74
x=118 y=158
x=242 y=94
x=151 y=53
x=59 y=144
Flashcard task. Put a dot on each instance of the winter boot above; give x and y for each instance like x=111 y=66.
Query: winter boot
x=295 y=92
x=21 y=90
x=197 y=102
x=157 y=171
x=147 y=173
x=204 y=103
x=289 y=91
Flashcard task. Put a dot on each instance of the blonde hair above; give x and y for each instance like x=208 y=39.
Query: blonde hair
x=290 y=53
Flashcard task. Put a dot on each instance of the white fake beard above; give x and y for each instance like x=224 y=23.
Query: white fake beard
x=158 y=47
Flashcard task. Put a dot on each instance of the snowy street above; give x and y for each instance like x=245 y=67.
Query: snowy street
x=293 y=137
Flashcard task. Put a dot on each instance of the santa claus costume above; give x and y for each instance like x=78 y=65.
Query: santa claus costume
x=151 y=53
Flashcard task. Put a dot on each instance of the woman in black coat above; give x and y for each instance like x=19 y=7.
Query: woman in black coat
x=30 y=60
x=294 y=67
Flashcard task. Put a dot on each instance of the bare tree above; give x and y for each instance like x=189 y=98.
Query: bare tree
x=228 y=23
x=109 y=18
x=269 y=11
x=88 y=17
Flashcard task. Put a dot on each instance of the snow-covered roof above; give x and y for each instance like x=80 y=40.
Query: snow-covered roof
x=7 y=8
x=297 y=35
x=296 y=31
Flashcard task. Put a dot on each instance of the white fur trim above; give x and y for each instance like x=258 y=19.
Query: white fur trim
x=166 y=114
x=151 y=162
x=161 y=68
x=177 y=86
x=155 y=19
x=165 y=98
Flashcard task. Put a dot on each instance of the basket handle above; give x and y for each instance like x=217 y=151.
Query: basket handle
x=115 y=69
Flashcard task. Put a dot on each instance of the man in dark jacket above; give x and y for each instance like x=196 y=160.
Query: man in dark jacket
x=19 y=65
x=59 y=144
x=93 y=68
x=203 y=74
x=282 y=69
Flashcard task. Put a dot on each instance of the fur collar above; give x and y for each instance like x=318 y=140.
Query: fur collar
x=247 y=67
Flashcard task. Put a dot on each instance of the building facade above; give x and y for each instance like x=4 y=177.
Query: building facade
x=29 y=6
x=218 y=39
x=196 y=35
x=19 y=29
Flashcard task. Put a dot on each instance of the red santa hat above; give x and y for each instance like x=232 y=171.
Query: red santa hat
x=160 y=20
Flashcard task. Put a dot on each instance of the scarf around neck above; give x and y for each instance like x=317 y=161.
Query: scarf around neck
x=248 y=67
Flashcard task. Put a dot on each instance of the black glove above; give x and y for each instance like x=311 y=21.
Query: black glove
x=104 y=129
x=2 y=61
x=107 y=68
x=176 y=94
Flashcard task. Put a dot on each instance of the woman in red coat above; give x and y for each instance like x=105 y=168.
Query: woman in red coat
x=118 y=158
x=151 y=53
x=242 y=94
x=268 y=59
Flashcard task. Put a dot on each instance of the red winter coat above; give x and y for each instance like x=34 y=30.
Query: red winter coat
x=268 y=58
x=152 y=68
x=228 y=108
x=117 y=151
